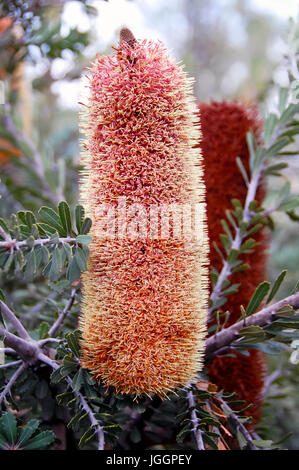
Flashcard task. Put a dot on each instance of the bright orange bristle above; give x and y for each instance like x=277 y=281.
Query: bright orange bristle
x=144 y=300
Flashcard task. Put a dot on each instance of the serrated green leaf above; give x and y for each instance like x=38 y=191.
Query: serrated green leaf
x=8 y=427
x=27 y=432
x=41 y=441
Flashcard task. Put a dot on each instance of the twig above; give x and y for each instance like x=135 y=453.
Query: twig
x=223 y=341
x=9 y=351
x=5 y=235
x=27 y=349
x=31 y=352
x=195 y=421
x=270 y=379
x=12 y=380
x=10 y=364
x=238 y=240
x=94 y=422
x=240 y=426
x=16 y=245
x=5 y=310
x=236 y=243
x=63 y=314
x=42 y=342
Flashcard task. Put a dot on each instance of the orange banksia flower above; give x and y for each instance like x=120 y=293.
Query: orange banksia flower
x=224 y=128
x=144 y=303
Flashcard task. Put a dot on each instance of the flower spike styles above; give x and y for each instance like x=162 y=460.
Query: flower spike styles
x=145 y=291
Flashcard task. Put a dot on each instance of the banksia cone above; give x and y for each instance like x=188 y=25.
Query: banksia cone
x=224 y=128
x=144 y=299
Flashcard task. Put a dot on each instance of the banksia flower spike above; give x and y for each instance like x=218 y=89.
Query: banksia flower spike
x=224 y=128
x=144 y=303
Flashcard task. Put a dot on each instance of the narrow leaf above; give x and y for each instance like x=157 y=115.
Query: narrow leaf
x=257 y=298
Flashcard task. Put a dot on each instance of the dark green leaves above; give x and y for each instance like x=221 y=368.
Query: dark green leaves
x=40 y=441
x=83 y=225
x=277 y=283
x=65 y=217
x=52 y=219
x=73 y=342
x=252 y=334
x=257 y=298
x=49 y=245
x=26 y=438
x=79 y=215
x=73 y=272
x=8 y=425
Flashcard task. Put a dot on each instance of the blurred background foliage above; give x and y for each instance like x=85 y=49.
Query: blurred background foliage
x=231 y=47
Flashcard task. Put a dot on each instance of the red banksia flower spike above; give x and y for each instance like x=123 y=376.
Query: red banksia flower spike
x=144 y=306
x=224 y=128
